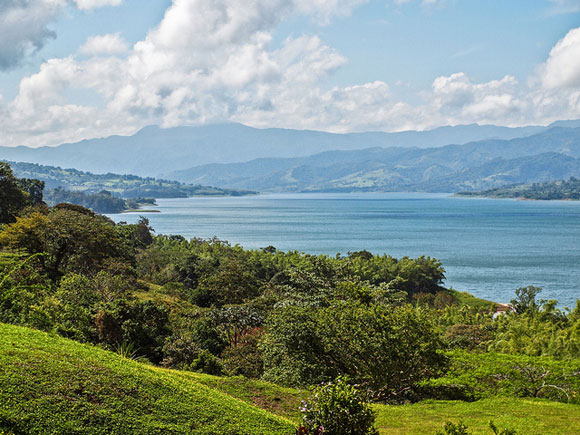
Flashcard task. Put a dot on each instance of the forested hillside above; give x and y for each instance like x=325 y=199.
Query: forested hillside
x=551 y=155
x=124 y=186
x=100 y=202
x=293 y=319
x=569 y=189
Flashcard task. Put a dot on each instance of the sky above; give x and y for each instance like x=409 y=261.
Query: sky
x=78 y=69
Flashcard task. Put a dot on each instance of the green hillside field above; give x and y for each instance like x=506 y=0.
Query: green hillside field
x=52 y=385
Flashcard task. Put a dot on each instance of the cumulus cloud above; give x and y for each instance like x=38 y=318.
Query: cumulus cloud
x=207 y=60
x=214 y=60
x=24 y=26
x=457 y=96
x=562 y=69
x=100 y=45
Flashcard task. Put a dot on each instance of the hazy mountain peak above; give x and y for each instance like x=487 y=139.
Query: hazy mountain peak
x=153 y=150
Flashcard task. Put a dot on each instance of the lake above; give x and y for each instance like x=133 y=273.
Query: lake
x=488 y=247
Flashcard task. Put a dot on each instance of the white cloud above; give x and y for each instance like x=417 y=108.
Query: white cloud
x=423 y=2
x=324 y=10
x=457 y=93
x=566 y=6
x=213 y=60
x=100 y=45
x=24 y=26
x=562 y=69
x=93 y=4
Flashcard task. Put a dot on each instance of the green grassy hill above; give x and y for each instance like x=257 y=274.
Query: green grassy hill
x=53 y=385
x=526 y=416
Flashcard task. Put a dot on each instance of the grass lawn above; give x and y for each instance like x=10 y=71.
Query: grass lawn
x=526 y=416
x=52 y=385
x=468 y=299
x=273 y=398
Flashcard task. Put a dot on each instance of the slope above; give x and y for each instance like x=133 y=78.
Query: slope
x=125 y=186
x=53 y=385
x=153 y=151
x=552 y=154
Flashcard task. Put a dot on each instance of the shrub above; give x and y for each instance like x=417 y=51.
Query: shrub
x=454 y=429
x=461 y=429
x=207 y=363
x=337 y=408
x=478 y=376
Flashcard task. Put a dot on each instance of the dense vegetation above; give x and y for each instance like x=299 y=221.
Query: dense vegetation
x=123 y=186
x=89 y=391
x=53 y=385
x=569 y=189
x=286 y=317
x=101 y=202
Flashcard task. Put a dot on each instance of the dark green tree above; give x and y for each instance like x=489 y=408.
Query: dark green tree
x=14 y=195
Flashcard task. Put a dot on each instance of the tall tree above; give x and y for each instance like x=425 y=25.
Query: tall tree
x=12 y=197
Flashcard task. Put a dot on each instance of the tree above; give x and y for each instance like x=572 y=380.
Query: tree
x=74 y=239
x=525 y=301
x=387 y=350
x=12 y=197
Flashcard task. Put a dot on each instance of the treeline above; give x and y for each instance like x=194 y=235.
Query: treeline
x=552 y=190
x=123 y=186
x=101 y=202
x=288 y=317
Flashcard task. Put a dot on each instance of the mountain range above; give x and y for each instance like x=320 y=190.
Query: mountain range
x=552 y=154
x=242 y=157
x=154 y=152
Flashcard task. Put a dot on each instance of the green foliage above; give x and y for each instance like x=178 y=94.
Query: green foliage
x=100 y=202
x=525 y=301
x=245 y=357
x=504 y=431
x=205 y=306
x=53 y=385
x=454 y=429
x=478 y=376
x=467 y=336
x=526 y=416
x=538 y=328
x=388 y=350
x=338 y=408
x=207 y=363
x=16 y=194
x=73 y=239
x=461 y=429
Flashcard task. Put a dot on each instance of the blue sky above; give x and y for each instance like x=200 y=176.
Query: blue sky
x=73 y=69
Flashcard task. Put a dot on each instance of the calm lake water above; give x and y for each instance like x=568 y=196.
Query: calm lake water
x=488 y=247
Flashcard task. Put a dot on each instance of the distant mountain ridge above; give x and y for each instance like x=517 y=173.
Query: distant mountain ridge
x=550 y=155
x=153 y=151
